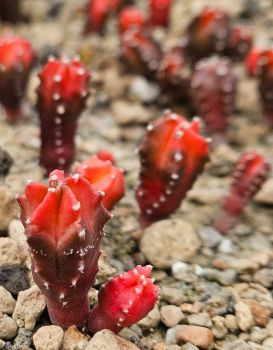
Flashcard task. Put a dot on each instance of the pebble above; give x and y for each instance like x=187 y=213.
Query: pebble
x=151 y=320
x=171 y=315
x=226 y=246
x=8 y=209
x=261 y=313
x=23 y=340
x=237 y=345
x=10 y=252
x=219 y=330
x=7 y=303
x=210 y=237
x=194 y=308
x=144 y=90
x=198 y=336
x=107 y=340
x=2 y=344
x=265 y=277
x=189 y=346
x=231 y=322
x=258 y=334
x=29 y=307
x=244 y=316
x=172 y=295
x=74 y=339
x=130 y=112
x=226 y=278
x=202 y=319
x=268 y=343
x=240 y=265
x=13 y=279
x=48 y=338
x=265 y=195
x=8 y=327
x=168 y=241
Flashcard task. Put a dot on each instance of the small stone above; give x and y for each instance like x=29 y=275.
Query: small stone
x=13 y=279
x=226 y=278
x=73 y=339
x=8 y=209
x=268 y=343
x=219 y=330
x=168 y=241
x=151 y=320
x=258 y=335
x=210 y=237
x=16 y=231
x=170 y=337
x=23 y=340
x=237 y=345
x=144 y=90
x=260 y=312
x=105 y=269
x=107 y=340
x=265 y=277
x=2 y=344
x=189 y=346
x=198 y=336
x=29 y=307
x=8 y=327
x=128 y=112
x=194 y=308
x=226 y=246
x=172 y=295
x=202 y=319
x=7 y=303
x=231 y=322
x=244 y=316
x=10 y=252
x=171 y=315
x=48 y=338
x=265 y=195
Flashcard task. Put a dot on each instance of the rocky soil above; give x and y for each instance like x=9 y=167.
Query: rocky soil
x=216 y=292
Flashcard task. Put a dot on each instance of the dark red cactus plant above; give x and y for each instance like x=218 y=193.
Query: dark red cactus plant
x=160 y=12
x=213 y=87
x=260 y=63
x=64 y=226
x=173 y=74
x=16 y=59
x=140 y=52
x=131 y=17
x=98 y=13
x=172 y=154
x=104 y=177
x=61 y=98
x=124 y=300
x=212 y=31
x=251 y=171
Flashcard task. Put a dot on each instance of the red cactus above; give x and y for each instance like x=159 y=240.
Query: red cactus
x=124 y=300
x=208 y=33
x=140 y=52
x=131 y=17
x=98 y=13
x=9 y=11
x=240 y=41
x=105 y=178
x=173 y=74
x=16 y=58
x=172 y=155
x=251 y=170
x=106 y=155
x=260 y=63
x=61 y=98
x=213 y=88
x=160 y=12
x=64 y=225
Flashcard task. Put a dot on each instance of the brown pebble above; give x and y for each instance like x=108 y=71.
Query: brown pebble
x=199 y=336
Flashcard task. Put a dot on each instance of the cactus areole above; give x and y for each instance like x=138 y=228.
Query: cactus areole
x=64 y=226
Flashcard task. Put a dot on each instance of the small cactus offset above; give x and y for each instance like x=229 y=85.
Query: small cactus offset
x=105 y=178
x=160 y=12
x=172 y=155
x=213 y=88
x=16 y=59
x=251 y=171
x=140 y=52
x=131 y=17
x=173 y=74
x=124 y=300
x=64 y=225
x=61 y=98
x=98 y=13
x=260 y=63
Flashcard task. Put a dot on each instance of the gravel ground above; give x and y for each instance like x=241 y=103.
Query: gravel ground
x=216 y=292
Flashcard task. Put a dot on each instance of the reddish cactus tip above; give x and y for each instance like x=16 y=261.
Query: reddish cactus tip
x=16 y=59
x=131 y=17
x=251 y=171
x=61 y=98
x=106 y=155
x=160 y=12
x=140 y=52
x=240 y=41
x=105 y=178
x=124 y=300
x=213 y=88
x=172 y=154
x=64 y=225
x=252 y=62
